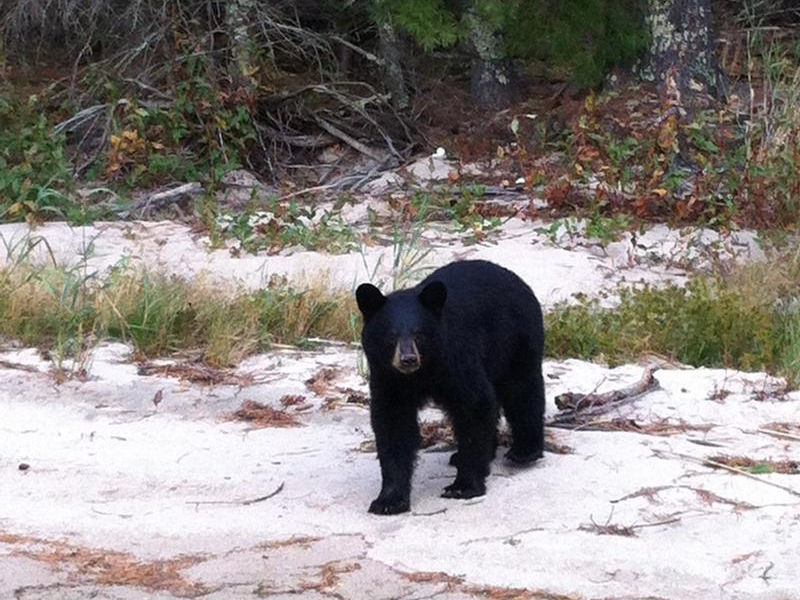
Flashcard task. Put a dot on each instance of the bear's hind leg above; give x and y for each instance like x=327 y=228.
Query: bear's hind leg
x=475 y=427
x=453 y=462
x=522 y=398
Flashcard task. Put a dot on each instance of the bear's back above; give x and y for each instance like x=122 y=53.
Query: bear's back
x=489 y=310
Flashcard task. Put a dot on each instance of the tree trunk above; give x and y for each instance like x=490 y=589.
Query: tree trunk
x=240 y=68
x=681 y=57
x=683 y=63
x=493 y=84
x=393 y=74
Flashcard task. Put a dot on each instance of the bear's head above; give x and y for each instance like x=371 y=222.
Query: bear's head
x=401 y=330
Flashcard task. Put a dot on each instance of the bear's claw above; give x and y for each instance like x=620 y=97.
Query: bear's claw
x=389 y=507
x=463 y=491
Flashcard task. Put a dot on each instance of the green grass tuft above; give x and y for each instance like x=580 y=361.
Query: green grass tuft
x=747 y=320
x=57 y=310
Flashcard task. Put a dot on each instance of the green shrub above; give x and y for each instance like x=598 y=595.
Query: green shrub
x=202 y=135
x=35 y=176
x=746 y=322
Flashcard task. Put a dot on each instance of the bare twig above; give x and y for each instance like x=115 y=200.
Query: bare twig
x=248 y=502
x=149 y=88
x=349 y=140
x=104 y=137
x=81 y=117
x=6 y=364
x=346 y=182
x=298 y=141
x=781 y=434
x=718 y=465
x=655 y=523
x=310 y=190
x=737 y=470
x=368 y=55
x=277 y=491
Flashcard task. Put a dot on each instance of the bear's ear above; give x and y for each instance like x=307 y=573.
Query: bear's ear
x=433 y=296
x=369 y=299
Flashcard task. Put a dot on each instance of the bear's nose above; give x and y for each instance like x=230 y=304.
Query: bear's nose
x=409 y=360
x=406 y=357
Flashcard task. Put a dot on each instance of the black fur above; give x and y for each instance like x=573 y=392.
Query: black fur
x=479 y=334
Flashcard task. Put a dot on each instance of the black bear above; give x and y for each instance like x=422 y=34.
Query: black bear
x=470 y=337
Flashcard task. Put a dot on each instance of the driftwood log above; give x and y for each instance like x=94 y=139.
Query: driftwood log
x=579 y=410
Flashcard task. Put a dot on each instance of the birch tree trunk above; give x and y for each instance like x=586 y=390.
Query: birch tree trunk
x=237 y=18
x=492 y=78
x=683 y=63
x=681 y=57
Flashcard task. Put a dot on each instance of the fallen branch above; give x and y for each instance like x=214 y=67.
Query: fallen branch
x=160 y=199
x=310 y=190
x=320 y=140
x=345 y=182
x=705 y=495
x=368 y=55
x=781 y=434
x=349 y=140
x=91 y=112
x=277 y=491
x=579 y=410
x=490 y=190
x=609 y=528
x=661 y=427
x=7 y=364
x=81 y=117
x=101 y=145
x=655 y=523
x=718 y=465
x=737 y=470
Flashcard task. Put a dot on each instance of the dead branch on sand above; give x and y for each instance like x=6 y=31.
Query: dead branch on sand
x=579 y=410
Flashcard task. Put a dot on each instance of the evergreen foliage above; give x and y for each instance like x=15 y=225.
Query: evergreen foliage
x=583 y=39
x=429 y=22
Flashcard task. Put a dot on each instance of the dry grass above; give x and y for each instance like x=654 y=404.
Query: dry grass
x=67 y=311
x=457 y=587
x=297 y=540
x=109 y=567
x=260 y=416
x=197 y=373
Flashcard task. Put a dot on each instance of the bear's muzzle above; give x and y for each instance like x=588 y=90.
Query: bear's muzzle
x=406 y=357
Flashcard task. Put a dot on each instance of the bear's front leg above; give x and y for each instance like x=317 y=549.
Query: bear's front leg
x=397 y=439
x=475 y=428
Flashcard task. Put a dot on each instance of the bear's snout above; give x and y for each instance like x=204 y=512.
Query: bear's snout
x=406 y=357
